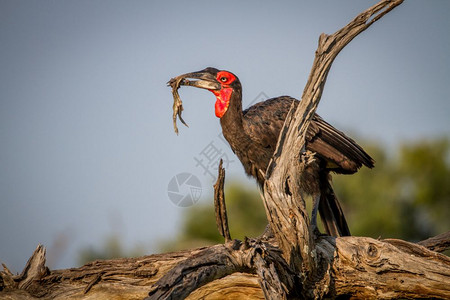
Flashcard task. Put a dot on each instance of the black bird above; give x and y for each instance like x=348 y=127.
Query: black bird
x=253 y=135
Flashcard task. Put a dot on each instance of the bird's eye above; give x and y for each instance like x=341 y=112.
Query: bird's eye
x=223 y=79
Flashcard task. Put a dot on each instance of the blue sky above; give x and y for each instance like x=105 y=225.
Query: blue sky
x=87 y=144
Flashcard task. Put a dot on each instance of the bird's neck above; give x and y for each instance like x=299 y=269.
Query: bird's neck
x=232 y=122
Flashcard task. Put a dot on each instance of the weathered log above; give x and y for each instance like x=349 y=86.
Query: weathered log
x=390 y=269
x=361 y=266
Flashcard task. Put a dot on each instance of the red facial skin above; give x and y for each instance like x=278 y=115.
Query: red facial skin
x=224 y=94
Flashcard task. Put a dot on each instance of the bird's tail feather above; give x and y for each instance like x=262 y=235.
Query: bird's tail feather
x=331 y=213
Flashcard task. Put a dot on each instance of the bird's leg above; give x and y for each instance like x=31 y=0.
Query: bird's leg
x=316 y=200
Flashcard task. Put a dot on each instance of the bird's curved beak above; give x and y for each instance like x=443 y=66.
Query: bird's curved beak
x=200 y=79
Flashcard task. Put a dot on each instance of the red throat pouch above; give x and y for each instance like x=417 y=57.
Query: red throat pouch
x=223 y=101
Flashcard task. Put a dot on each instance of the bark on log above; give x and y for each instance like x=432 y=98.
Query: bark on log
x=130 y=278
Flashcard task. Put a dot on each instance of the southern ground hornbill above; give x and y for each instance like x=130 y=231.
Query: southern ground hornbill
x=253 y=135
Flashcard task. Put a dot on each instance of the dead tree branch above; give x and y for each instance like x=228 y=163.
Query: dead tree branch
x=439 y=243
x=283 y=191
x=250 y=256
x=219 y=204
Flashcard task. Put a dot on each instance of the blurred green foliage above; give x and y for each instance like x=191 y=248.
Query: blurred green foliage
x=405 y=196
x=246 y=217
